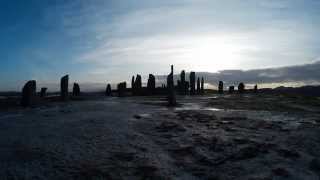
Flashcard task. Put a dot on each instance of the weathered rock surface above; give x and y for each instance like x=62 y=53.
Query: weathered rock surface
x=151 y=85
x=255 y=89
x=171 y=92
x=182 y=84
x=241 y=88
x=231 y=89
x=108 y=90
x=76 y=89
x=137 y=85
x=202 y=85
x=122 y=87
x=29 y=93
x=43 y=92
x=220 y=88
x=64 y=89
x=198 y=86
x=192 y=83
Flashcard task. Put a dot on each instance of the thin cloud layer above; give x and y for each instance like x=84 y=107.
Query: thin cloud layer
x=101 y=41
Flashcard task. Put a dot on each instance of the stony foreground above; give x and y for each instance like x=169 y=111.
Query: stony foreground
x=206 y=137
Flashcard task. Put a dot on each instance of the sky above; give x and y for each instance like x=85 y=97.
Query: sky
x=99 y=41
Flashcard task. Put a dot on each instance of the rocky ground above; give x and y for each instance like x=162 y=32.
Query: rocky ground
x=205 y=137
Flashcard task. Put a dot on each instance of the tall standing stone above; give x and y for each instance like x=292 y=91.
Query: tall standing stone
x=108 y=90
x=29 y=93
x=64 y=91
x=171 y=93
x=192 y=83
x=182 y=86
x=151 y=85
x=202 y=85
x=220 y=87
x=187 y=87
x=122 y=89
x=76 y=89
x=231 y=89
x=255 y=89
x=241 y=88
x=43 y=92
x=132 y=85
x=198 y=86
x=137 y=86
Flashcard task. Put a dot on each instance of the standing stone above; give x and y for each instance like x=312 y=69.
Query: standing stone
x=187 y=86
x=29 y=93
x=182 y=86
x=241 y=88
x=108 y=90
x=198 y=86
x=132 y=85
x=151 y=86
x=137 y=86
x=255 y=89
x=64 y=91
x=220 y=87
x=202 y=85
x=231 y=89
x=192 y=83
x=43 y=92
x=171 y=94
x=122 y=89
x=76 y=89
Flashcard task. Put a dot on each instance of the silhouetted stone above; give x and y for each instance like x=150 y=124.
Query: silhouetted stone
x=192 y=83
x=76 y=89
x=132 y=85
x=198 y=86
x=255 y=89
x=171 y=94
x=183 y=90
x=241 y=88
x=151 y=85
x=43 y=92
x=122 y=89
x=202 y=85
x=231 y=89
x=220 y=87
x=108 y=90
x=137 y=85
x=29 y=93
x=64 y=91
x=187 y=86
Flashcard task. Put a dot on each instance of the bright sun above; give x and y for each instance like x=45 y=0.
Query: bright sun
x=211 y=53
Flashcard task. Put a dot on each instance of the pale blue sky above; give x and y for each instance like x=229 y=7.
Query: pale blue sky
x=110 y=40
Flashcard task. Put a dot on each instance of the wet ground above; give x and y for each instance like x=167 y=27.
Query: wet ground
x=205 y=137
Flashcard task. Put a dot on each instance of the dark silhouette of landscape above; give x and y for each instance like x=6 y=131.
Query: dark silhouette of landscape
x=176 y=130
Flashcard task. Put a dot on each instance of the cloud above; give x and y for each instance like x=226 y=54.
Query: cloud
x=300 y=74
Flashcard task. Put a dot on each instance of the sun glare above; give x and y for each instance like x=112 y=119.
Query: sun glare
x=212 y=54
